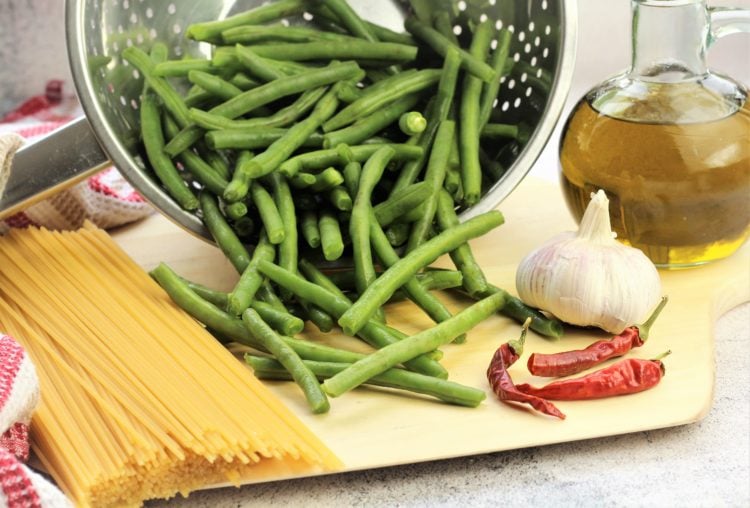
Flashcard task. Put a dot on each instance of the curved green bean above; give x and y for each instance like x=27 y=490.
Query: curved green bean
x=397 y=275
x=322 y=159
x=153 y=140
x=225 y=237
x=286 y=356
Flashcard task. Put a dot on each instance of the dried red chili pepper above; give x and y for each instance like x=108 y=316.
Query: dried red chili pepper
x=626 y=376
x=501 y=382
x=567 y=363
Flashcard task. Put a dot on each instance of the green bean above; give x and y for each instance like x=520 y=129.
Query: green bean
x=235 y=210
x=243 y=81
x=315 y=276
x=322 y=159
x=474 y=280
x=256 y=65
x=352 y=173
x=309 y=227
x=440 y=44
x=244 y=226
x=330 y=236
x=397 y=275
x=447 y=391
x=340 y=199
x=286 y=356
x=452 y=180
x=281 y=149
x=471 y=172
x=401 y=202
x=397 y=234
x=250 y=281
x=203 y=172
x=211 y=30
x=226 y=57
x=517 y=310
x=222 y=233
x=345 y=15
x=318 y=317
x=375 y=334
x=264 y=33
x=200 y=98
x=435 y=176
x=380 y=32
x=214 y=85
x=282 y=322
x=420 y=343
x=500 y=130
x=359 y=225
x=181 y=68
x=327 y=180
x=170 y=98
x=158 y=53
x=218 y=298
x=268 y=295
x=349 y=92
x=302 y=180
x=265 y=94
x=370 y=125
x=443 y=23
x=216 y=160
x=254 y=138
x=491 y=89
x=437 y=112
x=233 y=329
x=490 y=166
x=268 y=212
x=153 y=139
x=281 y=118
x=288 y=249
x=372 y=101
x=412 y=123
x=332 y=50
x=415 y=291
x=431 y=280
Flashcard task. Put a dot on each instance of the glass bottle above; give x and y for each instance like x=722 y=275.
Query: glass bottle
x=668 y=140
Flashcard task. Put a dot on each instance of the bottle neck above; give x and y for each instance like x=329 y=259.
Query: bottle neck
x=669 y=40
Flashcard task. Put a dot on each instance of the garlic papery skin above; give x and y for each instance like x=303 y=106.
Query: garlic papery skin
x=588 y=278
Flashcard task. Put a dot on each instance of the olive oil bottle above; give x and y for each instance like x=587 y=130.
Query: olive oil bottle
x=668 y=141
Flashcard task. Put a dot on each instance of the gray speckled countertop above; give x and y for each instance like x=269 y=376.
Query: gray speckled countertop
x=703 y=464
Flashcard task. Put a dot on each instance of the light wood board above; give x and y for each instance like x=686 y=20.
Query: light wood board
x=368 y=428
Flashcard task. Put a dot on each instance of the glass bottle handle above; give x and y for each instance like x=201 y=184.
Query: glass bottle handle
x=727 y=21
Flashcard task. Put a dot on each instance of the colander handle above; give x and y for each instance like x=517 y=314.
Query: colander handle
x=51 y=164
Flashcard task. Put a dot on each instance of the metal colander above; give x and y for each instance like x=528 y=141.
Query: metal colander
x=543 y=48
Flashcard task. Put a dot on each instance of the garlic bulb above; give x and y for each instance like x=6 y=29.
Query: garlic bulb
x=589 y=278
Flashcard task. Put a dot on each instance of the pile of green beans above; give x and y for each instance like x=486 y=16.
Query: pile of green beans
x=340 y=142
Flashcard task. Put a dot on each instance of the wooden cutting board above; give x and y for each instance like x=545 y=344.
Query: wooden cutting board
x=369 y=428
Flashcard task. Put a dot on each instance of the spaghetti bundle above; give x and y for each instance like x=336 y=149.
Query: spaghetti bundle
x=138 y=400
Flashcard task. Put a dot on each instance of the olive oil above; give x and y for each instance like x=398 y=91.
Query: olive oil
x=679 y=187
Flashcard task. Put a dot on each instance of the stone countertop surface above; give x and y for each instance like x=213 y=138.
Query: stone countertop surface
x=702 y=464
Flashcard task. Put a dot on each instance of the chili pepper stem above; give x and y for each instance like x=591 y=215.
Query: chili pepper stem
x=663 y=355
x=517 y=345
x=645 y=328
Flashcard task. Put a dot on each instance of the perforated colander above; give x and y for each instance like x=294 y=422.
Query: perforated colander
x=543 y=48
